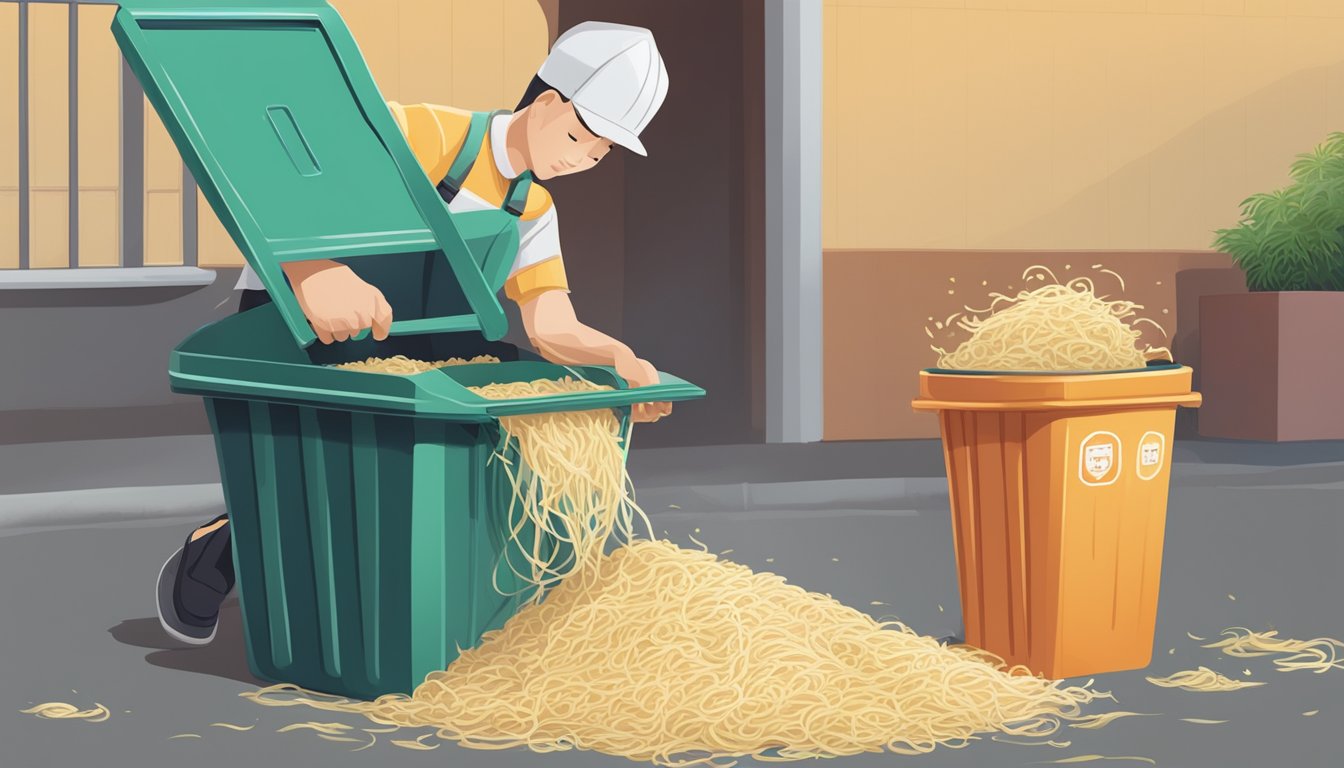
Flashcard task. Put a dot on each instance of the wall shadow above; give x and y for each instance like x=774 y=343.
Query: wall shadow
x=121 y=296
x=1257 y=454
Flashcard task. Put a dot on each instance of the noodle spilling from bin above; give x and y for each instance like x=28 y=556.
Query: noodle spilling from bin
x=1056 y=327
x=1202 y=680
x=677 y=657
x=569 y=485
x=405 y=366
x=1319 y=655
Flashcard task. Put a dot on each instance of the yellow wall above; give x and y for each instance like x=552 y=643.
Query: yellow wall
x=473 y=54
x=1067 y=124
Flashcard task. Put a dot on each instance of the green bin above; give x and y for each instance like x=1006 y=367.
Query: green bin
x=369 y=521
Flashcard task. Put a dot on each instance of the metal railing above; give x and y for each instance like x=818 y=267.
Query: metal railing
x=132 y=151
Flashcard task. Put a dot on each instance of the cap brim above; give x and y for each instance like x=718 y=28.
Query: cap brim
x=608 y=129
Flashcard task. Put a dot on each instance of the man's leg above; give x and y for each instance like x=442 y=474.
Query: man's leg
x=194 y=582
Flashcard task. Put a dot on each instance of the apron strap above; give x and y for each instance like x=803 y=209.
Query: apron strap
x=466 y=156
x=516 y=201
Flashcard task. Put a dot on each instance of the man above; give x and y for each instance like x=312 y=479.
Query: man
x=600 y=86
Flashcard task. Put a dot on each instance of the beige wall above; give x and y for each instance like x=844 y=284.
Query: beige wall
x=1074 y=124
x=473 y=54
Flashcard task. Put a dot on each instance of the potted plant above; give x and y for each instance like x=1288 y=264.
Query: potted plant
x=1270 y=360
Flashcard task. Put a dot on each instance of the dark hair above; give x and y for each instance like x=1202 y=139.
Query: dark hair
x=535 y=89
x=538 y=87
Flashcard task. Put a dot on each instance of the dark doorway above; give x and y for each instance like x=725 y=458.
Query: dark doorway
x=667 y=252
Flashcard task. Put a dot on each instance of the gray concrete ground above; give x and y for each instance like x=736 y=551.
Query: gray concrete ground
x=1262 y=523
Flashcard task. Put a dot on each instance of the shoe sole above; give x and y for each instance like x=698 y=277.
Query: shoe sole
x=164 y=593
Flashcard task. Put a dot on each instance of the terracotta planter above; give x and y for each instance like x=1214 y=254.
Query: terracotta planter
x=1270 y=366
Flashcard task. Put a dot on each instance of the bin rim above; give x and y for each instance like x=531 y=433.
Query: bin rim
x=1151 y=387
x=975 y=372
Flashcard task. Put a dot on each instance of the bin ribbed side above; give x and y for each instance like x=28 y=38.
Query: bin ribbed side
x=998 y=543
x=1056 y=574
x=365 y=545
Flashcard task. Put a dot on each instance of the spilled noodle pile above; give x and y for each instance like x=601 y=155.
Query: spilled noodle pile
x=677 y=657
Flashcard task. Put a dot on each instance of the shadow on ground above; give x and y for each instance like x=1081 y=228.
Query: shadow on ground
x=225 y=656
x=1247 y=453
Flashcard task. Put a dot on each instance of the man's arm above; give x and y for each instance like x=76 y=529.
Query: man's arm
x=337 y=303
x=555 y=330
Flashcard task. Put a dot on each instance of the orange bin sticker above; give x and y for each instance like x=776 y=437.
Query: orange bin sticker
x=1152 y=455
x=1099 y=459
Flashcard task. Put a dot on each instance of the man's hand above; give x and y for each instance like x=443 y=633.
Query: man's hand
x=560 y=337
x=336 y=302
x=641 y=373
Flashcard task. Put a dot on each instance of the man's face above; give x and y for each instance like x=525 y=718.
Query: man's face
x=557 y=141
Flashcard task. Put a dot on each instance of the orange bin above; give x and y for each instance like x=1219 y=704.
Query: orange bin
x=1059 y=500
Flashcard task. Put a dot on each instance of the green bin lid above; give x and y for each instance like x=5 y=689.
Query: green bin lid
x=276 y=115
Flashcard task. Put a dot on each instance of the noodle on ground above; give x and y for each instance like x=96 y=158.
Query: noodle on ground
x=1319 y=655
x=1202 y=680
x=676 y=657
x=59 y=710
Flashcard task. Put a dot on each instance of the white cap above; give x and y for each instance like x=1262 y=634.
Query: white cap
x=614 y=76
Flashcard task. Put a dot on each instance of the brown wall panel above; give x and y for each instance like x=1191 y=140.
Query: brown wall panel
x=679 y=239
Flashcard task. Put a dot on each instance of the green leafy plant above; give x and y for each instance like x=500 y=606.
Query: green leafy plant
x=1292 y=239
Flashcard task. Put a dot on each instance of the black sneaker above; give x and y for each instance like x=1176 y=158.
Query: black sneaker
x=193 y=584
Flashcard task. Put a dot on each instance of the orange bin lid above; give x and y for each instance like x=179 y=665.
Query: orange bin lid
x=988 y=391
